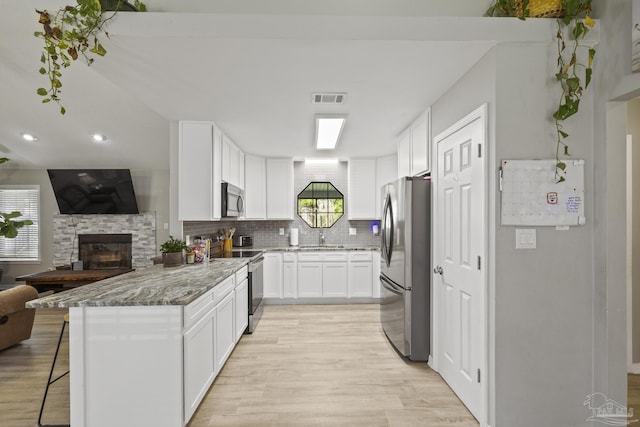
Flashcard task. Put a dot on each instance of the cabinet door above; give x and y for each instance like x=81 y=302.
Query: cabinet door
x=290 y=279
x=242 y=308
x=199 y=362
x=255 y=202
x=272 y=271
x=280 y=198
x=230 y=162
x=386 y=172
x=241 y=176
x=420 y=145
x=309 y=279
x=224 y=330
x=362 y=189
x=195 y=171
x=360 y=279
x=404 y=155
x=334 y=279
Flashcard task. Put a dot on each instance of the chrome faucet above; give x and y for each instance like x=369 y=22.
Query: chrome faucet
x=321 y=236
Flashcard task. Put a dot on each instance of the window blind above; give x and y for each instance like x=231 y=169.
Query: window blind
x=26 y=200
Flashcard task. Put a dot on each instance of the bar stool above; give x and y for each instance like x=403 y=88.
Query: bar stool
x=50 y=381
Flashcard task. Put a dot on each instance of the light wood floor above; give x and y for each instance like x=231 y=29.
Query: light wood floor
x=304 y=366
x=326 y=366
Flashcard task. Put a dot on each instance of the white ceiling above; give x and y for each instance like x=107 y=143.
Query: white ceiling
x=248 y=67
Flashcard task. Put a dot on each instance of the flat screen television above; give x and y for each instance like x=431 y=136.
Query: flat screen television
x=93 y=191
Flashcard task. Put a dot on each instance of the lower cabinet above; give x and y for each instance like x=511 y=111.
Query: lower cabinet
x=224 y=330
x=272 y=275
x=242 y=308
x=321 y=274
x=309 y=279
x=360 y=274
x=289 y=275
x=214 y=323
x=334 y=279
x=199 y=362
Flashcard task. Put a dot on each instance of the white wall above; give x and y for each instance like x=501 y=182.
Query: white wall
x=540 y=301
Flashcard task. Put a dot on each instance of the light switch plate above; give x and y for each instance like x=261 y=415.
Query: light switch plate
x=282 y=231
x=353 y=231
x=525 y=238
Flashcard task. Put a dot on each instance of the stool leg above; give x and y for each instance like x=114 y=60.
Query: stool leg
x=49 y=382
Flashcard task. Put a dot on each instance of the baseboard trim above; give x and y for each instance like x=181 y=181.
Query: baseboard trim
x=320 y=300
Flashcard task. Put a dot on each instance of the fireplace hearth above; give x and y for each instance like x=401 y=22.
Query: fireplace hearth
x=104 y=251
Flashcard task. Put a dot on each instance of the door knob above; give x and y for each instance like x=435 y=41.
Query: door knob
x=438 y=270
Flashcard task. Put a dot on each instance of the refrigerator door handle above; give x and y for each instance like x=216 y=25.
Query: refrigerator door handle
x=387 y=230
x=390 y=286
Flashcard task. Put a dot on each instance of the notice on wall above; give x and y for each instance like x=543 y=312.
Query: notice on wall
x=531 y=194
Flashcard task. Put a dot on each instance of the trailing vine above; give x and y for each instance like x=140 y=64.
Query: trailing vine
x=72 y=32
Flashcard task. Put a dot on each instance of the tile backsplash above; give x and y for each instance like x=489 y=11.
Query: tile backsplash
x=266 y=233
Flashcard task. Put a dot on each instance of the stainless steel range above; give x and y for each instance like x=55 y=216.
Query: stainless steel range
x=256 y=287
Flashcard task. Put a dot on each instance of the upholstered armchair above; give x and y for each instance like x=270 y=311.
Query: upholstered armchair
x=16 y=321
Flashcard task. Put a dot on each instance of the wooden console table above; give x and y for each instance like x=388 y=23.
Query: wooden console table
x=60 y=280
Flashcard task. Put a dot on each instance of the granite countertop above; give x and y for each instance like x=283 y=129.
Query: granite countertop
x=146 y=287
x=327 y=247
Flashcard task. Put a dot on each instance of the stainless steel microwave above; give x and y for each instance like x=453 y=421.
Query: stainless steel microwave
x=232 y=201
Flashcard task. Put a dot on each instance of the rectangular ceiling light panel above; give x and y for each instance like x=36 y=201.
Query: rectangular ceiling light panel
x=328 y=130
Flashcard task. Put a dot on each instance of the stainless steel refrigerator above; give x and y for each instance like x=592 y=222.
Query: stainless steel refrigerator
x=405 y=265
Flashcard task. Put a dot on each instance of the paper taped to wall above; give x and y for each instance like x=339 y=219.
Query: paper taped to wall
x=532 y=195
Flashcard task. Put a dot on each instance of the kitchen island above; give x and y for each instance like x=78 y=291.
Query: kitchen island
x=146 y=346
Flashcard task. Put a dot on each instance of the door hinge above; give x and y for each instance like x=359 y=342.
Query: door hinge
x=479 y=262
x=478 y=374
x=479 y=150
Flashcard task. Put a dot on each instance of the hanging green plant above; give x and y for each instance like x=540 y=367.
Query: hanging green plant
x=72 y=32
x=572 y=72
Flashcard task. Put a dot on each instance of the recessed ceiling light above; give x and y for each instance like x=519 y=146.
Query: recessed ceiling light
x=328 y=131
x=29 y=137
x=98 y=137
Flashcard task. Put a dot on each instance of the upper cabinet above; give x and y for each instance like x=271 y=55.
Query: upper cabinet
x=386 y=172
x=198 y=176
x=414 y=147
x=232 y=163
x=362 y=189
x=255 y=188
x=366 y=177
x=280 y=197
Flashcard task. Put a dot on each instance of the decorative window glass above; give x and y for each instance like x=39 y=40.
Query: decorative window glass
x=26 y=200
x=320 y=204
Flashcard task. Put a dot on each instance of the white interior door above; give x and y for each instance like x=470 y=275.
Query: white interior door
x=459 y=275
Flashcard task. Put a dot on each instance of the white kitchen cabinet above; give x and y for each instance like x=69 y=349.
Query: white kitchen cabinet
x=289 y=275
x=420 y=139
x=224 y=335
x=232 y=157
x=280 y=197
x=362 y=189
x=404 y=155
x=199 y=361
x=242 y=308
x=386 y=172
x=414 y=147
x=241 y=165
x=309 y=279
x=198 y=171
x=360 y=274
x=272 y=275
x=255 y=201
x=334 y=279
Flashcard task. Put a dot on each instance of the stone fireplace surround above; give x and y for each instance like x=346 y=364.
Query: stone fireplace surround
x=142 y=227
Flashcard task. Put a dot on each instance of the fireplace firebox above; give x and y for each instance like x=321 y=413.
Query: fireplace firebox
x=104 y=251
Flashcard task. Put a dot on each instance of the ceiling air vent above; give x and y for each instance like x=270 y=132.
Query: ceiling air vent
x=329 y=98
